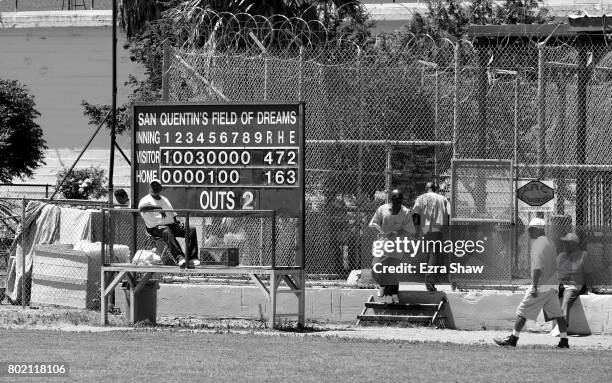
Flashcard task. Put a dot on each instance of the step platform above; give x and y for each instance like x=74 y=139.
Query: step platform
x=419 y=307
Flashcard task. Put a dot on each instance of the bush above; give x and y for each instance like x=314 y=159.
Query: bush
x=84 y=183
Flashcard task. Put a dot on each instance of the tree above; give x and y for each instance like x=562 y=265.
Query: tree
x=21 y=138
x=84 y=183
x=148 y=24
x=445 y=18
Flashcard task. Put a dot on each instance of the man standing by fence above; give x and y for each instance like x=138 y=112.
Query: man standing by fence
x=391 y=220
x=431 y=216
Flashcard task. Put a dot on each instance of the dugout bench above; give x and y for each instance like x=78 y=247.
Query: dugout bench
x=267 y=278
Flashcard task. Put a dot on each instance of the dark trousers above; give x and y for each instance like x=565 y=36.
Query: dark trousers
x=169 y=233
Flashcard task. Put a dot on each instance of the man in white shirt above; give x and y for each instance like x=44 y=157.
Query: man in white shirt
x=166 y=226
x=431 y=215
x=543 y=293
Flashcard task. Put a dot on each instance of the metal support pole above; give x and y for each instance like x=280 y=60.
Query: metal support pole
x=515 y=251
x=581 y=137
x=541 y=109
x=436 y=127
x=301 y=76
x=265 y=90
x=560 y=140
x=388 y=171
x=166 y=71
x=187 y=240
x=273 y=234
x=23 y=253
x=456 y=101
x=113 y=108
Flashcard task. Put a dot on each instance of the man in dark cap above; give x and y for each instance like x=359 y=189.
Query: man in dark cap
x=391 y=220
x=431 y=214
x=166 y=226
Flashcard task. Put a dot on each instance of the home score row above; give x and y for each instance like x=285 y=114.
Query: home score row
x=221 y=156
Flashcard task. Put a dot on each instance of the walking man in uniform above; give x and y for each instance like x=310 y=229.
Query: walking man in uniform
x=543 y=293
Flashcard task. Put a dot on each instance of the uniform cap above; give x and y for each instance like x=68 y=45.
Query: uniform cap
x=571 y=237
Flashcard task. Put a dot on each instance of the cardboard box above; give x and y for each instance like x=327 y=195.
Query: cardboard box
x=226 y=256
x=65 y=277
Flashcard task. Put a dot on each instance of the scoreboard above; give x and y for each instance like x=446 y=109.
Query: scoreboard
x=221 y=156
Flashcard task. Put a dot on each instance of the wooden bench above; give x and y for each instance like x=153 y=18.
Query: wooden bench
x=293 y=277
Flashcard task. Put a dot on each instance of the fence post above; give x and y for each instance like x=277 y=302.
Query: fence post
x=560 y=143
x=456 y=101
x=166 y=71
x=436 y=125
x=515 y=251
x=581 y=137
x=541 y=109
x=388 y=170
x=301 y=76
x=23 y=252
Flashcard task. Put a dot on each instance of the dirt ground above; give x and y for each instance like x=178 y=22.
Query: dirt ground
x=87 y=321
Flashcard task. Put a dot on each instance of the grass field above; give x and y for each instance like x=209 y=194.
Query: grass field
x=167 y=356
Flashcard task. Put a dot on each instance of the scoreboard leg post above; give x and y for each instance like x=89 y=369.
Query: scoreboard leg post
x=104 y=298
x=301 y=299
x=272 y=318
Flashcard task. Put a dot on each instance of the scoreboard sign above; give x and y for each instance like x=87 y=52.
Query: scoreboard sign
x=221 y=156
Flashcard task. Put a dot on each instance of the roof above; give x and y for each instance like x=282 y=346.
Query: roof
x=575 y=26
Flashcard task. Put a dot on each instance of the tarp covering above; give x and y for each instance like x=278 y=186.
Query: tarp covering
x=41 y=226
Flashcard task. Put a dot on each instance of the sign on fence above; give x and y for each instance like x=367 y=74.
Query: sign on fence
x=221 y=156
x=535 y=196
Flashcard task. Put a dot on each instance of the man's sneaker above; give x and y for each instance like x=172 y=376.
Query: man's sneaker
x=555 y=332
x=563 y=343
x=508 y=341
x=194 y=262
x=182 y=263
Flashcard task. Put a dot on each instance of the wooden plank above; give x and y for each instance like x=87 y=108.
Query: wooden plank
x=114 y=283
x=370 y=299
x=400 y=306
x=273 y=287
x=290 y=291
x=209 y=269
x=103 y=299
x=382 y=318
x=301 y=277
x=259 y=283
x=435 y=316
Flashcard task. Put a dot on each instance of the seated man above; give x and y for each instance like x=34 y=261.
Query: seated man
x=165 y=225
x=574 y=271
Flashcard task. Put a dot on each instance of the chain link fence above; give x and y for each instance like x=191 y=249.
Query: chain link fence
x=373 y=121
x=397 y=114
x=394 y=115
x=52 y=258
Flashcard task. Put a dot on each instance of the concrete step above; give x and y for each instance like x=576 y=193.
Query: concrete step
x=395 y=318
